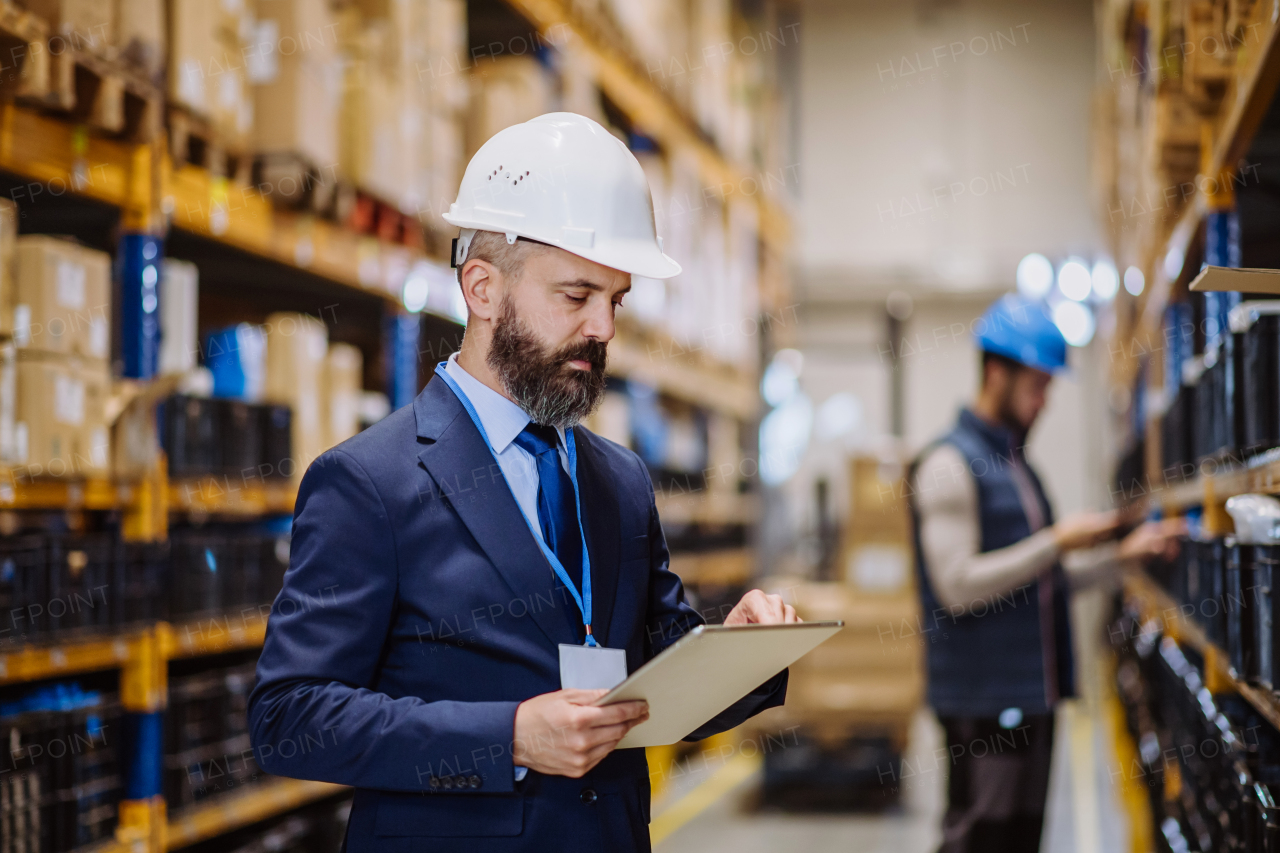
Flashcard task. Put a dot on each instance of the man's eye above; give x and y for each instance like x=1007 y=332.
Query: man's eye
x=577 y=299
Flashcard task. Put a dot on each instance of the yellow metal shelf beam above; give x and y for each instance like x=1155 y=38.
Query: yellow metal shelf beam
x=34 y=662
x=229 y=496
x=1155 y=604
x=1214 y=489
x=244 y=629
x=232 y=811
x=61 y=159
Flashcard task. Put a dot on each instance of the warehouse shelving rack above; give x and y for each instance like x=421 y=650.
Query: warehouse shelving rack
x=1224 y=134
x=1168 y=119
x=139 y=177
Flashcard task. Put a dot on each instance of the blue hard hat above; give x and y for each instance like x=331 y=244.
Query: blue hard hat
x=1021 y=329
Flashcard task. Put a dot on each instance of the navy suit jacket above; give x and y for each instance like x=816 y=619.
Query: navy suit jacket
x=418 y=612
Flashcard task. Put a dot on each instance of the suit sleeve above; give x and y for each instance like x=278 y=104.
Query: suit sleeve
x=670 y=618
x=313 y=713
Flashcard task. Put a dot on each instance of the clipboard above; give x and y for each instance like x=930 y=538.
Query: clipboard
x=707 y=670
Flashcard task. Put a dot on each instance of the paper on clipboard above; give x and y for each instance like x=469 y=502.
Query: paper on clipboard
x=709 y=669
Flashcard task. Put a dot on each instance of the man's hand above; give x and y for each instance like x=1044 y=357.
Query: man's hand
x=1154 y=539
x=561 y=734
x=1086 y=529
x=757 y=608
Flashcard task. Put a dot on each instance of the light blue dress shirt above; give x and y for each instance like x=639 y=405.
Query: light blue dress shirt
x=503 y=420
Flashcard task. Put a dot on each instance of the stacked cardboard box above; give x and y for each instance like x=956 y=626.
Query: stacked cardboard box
x=210 y=44
x=506 y=90
x=869 y=678
x=78 y=24
x=140 y=34
x=377 y=131
x=54 y=375
x=296 y=70
x=404 y=93
x=876 y=546
x=62 y=297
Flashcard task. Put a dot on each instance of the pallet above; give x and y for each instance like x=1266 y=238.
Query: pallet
x=294 y=182
x=24 y=53
x=194 y=141
x=105 y=95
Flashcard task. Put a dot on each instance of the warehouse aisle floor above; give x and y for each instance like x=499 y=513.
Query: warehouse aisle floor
x=710 y=809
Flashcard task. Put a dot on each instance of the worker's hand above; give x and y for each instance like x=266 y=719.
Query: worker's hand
x=562 y=734
x=1086 y=529
x=758 y=608
x=1155 y=539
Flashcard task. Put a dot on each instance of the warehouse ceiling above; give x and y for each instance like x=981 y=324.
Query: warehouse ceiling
x=941 y=141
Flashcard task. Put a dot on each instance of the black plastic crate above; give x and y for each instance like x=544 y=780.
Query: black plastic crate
x=144 y=590
x=1261 y=375
x=276 y=461
x=65 y=779
x=84 y=577
x=24 y=587
x=199 y=560
x=240 y=432
x=240 y=583
x=190 y=436
x=1177 y=429
x=274 y=562
x=207 y=748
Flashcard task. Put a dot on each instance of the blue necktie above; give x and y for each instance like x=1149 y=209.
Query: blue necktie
x=557 y=514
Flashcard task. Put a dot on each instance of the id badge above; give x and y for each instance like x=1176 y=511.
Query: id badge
x=591 y=667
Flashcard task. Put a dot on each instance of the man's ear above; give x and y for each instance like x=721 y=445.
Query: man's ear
x=481 y=288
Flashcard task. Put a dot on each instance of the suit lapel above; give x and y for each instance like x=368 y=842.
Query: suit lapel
x=469 y=479
x=600 y=516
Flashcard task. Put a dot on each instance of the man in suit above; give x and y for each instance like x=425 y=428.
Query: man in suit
x=466 y=541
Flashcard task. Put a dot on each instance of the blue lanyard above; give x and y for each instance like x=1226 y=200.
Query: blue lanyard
x=583 y=600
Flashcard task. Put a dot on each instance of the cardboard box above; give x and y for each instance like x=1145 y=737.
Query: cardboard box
x=344 y=376
x=62 y=297
x=297 y=75
x=297 y=350
x=506 y=90
x=209 y=47
x=876 y=551
x=82 y=24
x=59 y=427
x=380 y=124
x=140 y=34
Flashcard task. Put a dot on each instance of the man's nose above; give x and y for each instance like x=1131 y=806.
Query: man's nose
x=599 y=324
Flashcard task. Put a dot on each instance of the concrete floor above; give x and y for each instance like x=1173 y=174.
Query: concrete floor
x=708 y=809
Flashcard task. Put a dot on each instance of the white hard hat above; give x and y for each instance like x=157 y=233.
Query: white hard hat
x=564 y=180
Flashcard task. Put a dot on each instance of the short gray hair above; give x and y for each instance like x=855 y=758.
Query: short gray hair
x=492 y=247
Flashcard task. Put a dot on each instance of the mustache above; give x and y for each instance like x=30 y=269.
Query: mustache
x=594 y=353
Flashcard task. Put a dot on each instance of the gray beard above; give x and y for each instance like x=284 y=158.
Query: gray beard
x=541 y=383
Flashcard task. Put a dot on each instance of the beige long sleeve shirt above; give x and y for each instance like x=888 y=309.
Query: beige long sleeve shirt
x=950 y=537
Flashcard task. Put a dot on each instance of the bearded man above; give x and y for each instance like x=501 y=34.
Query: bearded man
x=468 y=575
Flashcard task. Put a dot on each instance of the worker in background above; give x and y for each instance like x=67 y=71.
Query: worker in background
x=995 y=571
x=481 y=553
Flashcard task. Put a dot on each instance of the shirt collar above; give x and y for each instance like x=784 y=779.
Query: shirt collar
x=503 y=420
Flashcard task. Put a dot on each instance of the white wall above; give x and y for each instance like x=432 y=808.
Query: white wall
x=883 y=144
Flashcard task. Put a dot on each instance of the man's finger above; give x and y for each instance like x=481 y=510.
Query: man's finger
x=579 y=696
x=606 y=734
x=609 y=715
